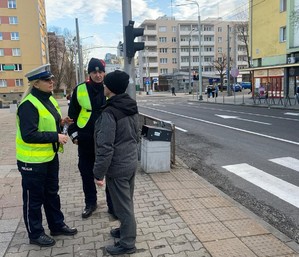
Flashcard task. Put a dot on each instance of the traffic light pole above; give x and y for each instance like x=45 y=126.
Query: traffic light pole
x=129 y=65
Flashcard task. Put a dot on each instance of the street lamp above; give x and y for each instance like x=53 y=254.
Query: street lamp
x=199 y=38
x=190 y=59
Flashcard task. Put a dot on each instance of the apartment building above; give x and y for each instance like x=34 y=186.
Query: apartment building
x=172 y=50
x=23 y=44
x=275 y=47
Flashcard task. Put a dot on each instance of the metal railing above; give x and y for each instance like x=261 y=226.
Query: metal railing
x=152 y=121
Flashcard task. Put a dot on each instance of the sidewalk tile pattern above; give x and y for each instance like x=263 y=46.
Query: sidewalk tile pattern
x=178 y=214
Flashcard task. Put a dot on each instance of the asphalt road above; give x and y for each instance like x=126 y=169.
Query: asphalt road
x=249 y=153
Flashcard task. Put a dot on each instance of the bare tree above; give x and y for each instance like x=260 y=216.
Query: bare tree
x=242 y=32
x=61 y=55
x=294 y=17
x=220 y=64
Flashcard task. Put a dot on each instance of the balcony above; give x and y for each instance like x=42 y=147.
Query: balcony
x=150 y=32
x=150 y=43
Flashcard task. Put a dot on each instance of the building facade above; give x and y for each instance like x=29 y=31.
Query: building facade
x=275 y=47
x=23 y=44
x=171 y=55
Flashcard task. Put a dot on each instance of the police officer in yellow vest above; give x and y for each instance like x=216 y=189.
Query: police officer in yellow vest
x=87 y=99
x=38 y=141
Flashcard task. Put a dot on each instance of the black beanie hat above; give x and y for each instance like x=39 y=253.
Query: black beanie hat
x=96 y=65
x=117 y=81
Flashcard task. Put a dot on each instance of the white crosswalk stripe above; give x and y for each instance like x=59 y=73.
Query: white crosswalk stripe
x=288 y=162
x=276 y=186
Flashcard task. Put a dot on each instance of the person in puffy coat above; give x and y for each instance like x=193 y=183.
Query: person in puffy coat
x=116 y=139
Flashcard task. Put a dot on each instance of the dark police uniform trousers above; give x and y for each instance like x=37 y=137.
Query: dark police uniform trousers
x=85 y=165
x=40 y=187
x=121 y=191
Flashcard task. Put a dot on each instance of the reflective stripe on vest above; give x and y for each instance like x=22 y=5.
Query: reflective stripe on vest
x=37 y=153
x=84 y=102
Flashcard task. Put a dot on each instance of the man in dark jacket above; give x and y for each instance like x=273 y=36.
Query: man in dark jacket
x=116 y=137
x=86 y=102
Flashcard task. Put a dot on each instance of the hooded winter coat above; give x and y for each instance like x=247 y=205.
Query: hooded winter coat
x=116 y=138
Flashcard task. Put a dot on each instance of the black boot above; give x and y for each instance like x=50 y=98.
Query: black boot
x=88 y=211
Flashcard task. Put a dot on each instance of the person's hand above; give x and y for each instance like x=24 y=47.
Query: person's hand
x=62 y=139
x=75 y=141
x=66 y=120
x=99 y=183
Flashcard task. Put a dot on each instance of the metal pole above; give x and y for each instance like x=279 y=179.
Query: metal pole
x=129 y=67
x=76 y=65
x=79 y=49
x=199 y=62
x=228 y=64
x=190 y=62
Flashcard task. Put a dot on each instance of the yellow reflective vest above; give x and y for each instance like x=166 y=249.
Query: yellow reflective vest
x=38 y=152
x=84 y=102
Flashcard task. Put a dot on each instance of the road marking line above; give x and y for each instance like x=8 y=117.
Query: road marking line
x=288 y=162
x=276 y=186
x=238 y=118
x=178 y=128
x=292 y=113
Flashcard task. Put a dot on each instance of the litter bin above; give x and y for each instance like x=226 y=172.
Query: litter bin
x=155 y=149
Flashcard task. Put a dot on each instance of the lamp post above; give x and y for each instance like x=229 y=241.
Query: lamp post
x=190 y=59
x=199 y=39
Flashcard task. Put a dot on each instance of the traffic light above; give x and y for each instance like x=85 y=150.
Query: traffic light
x=130 y=34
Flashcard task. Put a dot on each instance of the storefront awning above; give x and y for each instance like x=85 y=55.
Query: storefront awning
x=289 y=65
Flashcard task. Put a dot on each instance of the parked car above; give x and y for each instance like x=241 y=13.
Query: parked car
x=246 y=85
x=236 y=88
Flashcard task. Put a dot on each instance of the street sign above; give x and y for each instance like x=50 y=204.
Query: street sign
x=234 y=72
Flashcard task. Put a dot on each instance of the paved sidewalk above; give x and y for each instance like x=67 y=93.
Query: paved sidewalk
x=178 y=214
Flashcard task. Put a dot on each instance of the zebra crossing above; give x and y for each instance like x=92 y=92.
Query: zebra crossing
x=276 y=186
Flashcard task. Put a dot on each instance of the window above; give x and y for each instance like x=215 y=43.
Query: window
x=1 y=36
x=162 y=39
x=163 y=50
x=16 y=52
x=173 y=50
x=13 y=20
x=163 y=71
x=174 y=61
x=18 y=67
x=282 y=34
x=162 y=29
x=19 y=82
x=219 y=29
x=219 y=49
x=283 y=5
x=12 y=4
x=219 y=39
x=184 y=59
x=173 y=40
x=1 y=52
x=14 y=35
x=2 y=67
x=3 y=83
x=173 y=28
x=208 y=59
x=163 y=60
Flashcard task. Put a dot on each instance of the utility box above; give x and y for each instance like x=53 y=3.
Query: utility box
x=155 y=149
x=156 y=133
x=13 y=108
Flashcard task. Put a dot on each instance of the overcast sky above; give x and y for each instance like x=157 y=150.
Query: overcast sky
x=101 y=21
